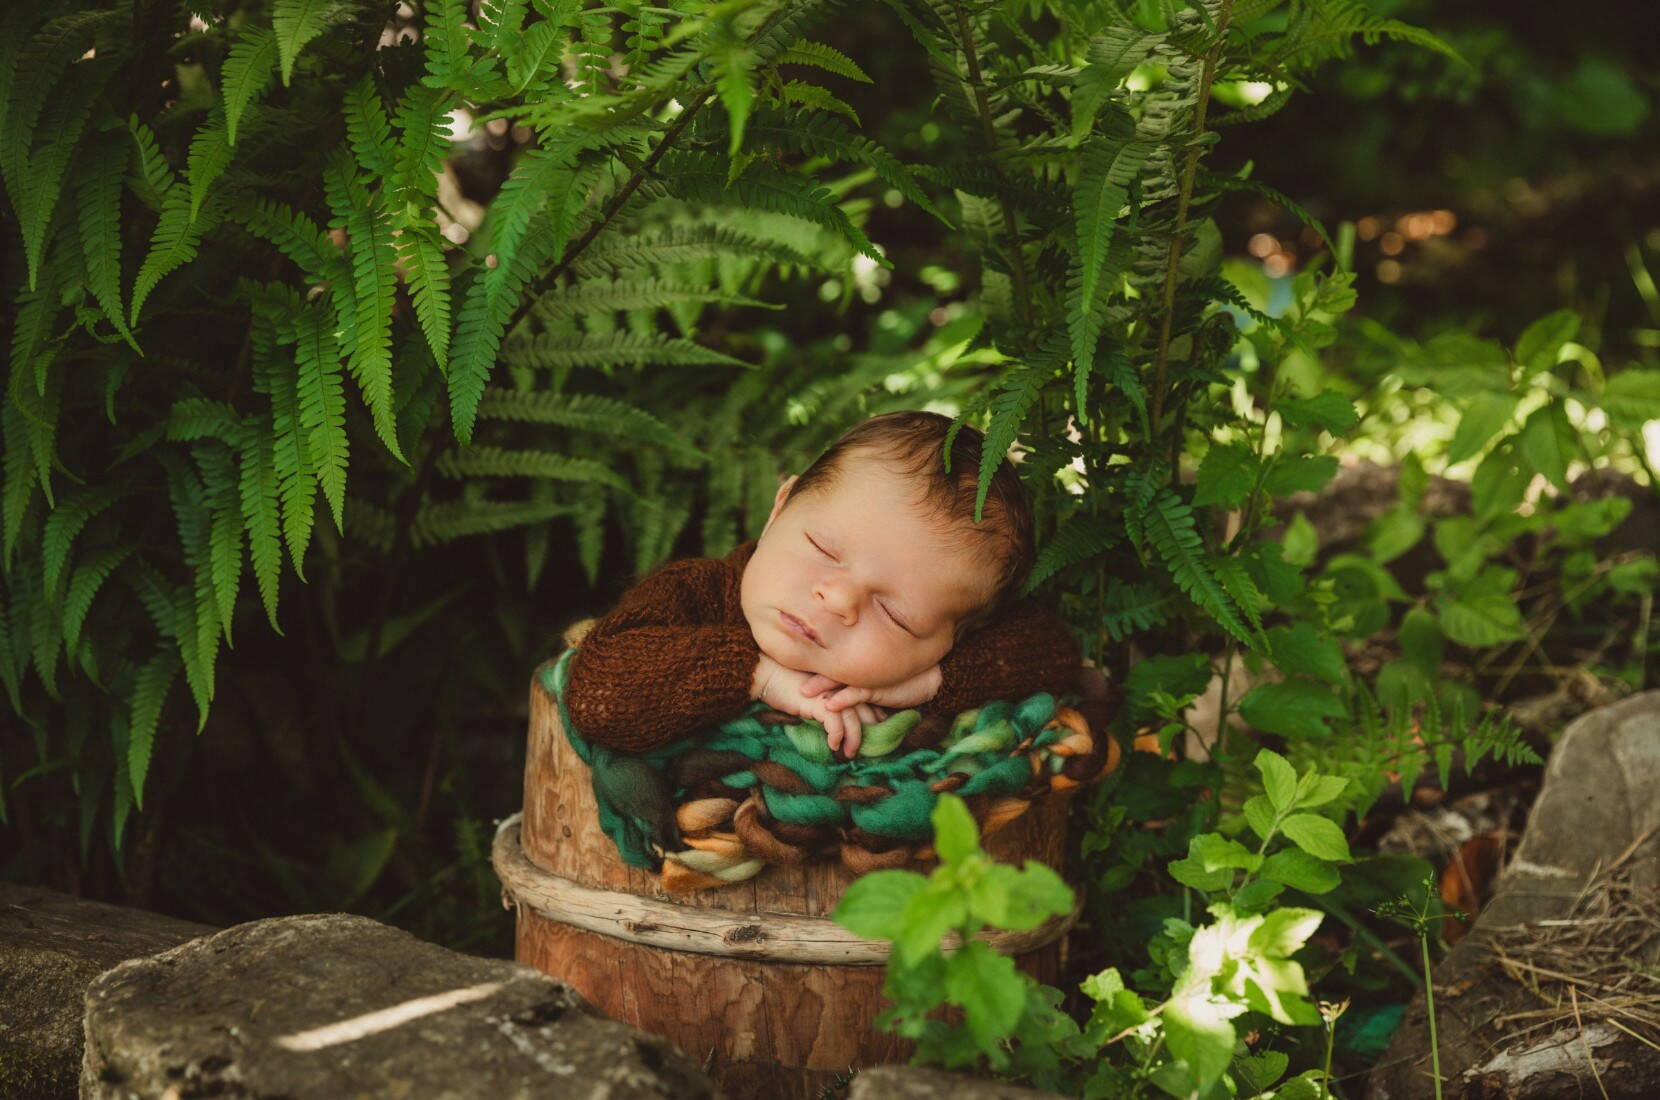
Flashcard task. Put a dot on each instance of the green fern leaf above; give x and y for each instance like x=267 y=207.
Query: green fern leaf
x=554 y=351
x=423 y=142
x=89 y=576
x=1237 y=582
x=501 y=20
x=621 y=253
x=150 y=688
x=153 y=170
x=585 y=412
x=19 y=485
x=290 y=451
x=446 y=37
x=811 y=95
x=1133 y=608
x=43 y=170
x=65 y=522
x=322 y=412
x=224 y=566
x=210 y=155
x=440 y=523
x=534 y=58
x=822 y=135
x=367 y=129
x=428 y=276
x=499 y=462
x=820 y=56
x=374 y=272
x=259 y=496
x=1078 y=539
x=296 y=23
x=46 y=642
x=248 y=69
x=1109 y=167
x=1018 y=392
x=701 y=178
x=99 y=220
x=296 y=236
x=173 y=243
x=1169 y=526
x=194 y=418
x=600 y=297
x=45 y=58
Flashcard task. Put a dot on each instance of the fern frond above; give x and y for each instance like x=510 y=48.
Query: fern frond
x=89 y=576
x=18 y=465
x=447 y=38
x=296 y=236
x=99 y=221
x=224 y=565
x=296 y=23
x=423 y=142
x=367 y=129
x=374 y=288
x=1132 y=608
x=150 y=688
x=820 y=56
x=154 y=171
x=41 y=172
x=1109 y=169
x=428 y=275
x=1017 y=392
x=1078 y=539
x=1169 y=527
x=823 y=135
x=439 y=523
x=48 y=54
x=500 y=462
x=621 y=253
x=322 y=411
x=811 y=95
x=173 y=243
x=585 y=412
x=247 y=69
x=66 y=521
x=699 y=177
x=193 y=418
x=1237 y=582
x=593 y=296
x=566 y=351
x=370 y=524
x=210 y=155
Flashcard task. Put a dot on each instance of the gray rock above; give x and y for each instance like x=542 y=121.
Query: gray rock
x=51 y=947
x=915 y=1083
x=342 y=1006
x=1600 y=805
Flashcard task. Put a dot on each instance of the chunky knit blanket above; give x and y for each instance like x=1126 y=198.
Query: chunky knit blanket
x=763 y=788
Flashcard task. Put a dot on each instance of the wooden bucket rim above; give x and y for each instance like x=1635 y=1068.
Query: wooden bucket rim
x=761 y=937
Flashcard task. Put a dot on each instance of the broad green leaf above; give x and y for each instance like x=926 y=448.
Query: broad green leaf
x=1292 y=708
x=1226 y=475
x=1632 y=397
x=1302 y=474
x=1421 y=641
x=874 y=904
x=955 y=835
x=1480 y=421
x=1279 y=779
x=1318 y=836
x=1284 y=931
x=1329 y=411
x=1260 y=815
x=1299 y=649
x=932 y=911
x=1317 y=790
x=1198 y=1031
x=1191 y=872
x=1257 y=896
x=1548 y=443
x=1394 y=533
x=1301 y=871
x=1215 y=851
x=989 y=989
x=1540 y=342
x=1300 y=543
x=1481 y=618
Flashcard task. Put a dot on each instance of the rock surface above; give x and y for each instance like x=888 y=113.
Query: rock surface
x=341 y=1006
x=1598 y=810
x=51 y=947
x=915 y=1083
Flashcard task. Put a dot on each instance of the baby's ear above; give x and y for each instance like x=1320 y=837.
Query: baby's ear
x=780 y=498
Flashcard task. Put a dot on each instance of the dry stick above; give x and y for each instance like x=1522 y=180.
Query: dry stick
x=1182 y=201
x=1590 y=1059
x=1017 y=259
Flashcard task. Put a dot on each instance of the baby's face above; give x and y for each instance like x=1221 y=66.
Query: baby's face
x=853 y=580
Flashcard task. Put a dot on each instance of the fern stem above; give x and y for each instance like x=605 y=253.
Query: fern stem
x=1017 y=259
x=1189 y=171
x=612 y=208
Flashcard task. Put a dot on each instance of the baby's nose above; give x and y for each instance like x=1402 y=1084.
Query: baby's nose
x=839 y=600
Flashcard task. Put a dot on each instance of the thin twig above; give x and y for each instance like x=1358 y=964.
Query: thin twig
x=1590 y=1059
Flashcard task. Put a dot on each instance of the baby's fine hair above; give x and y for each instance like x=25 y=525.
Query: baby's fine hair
x=915 y=442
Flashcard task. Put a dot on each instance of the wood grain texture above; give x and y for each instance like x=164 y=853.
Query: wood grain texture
x=762 y=1027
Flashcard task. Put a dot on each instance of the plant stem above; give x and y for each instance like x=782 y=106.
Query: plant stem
x=1160 y=379
x=1325 y=1068
x=1429 y=1009
x=1017 y=259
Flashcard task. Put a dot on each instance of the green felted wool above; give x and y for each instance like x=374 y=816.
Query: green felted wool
x=637 y=796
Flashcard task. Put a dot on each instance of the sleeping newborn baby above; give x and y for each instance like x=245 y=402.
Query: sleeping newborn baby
x=871 y=587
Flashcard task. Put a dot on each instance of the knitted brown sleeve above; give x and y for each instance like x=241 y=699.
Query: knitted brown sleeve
x=1025 y=650
x=674 y=655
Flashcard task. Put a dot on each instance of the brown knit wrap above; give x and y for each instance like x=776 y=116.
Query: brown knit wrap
x=675 y=655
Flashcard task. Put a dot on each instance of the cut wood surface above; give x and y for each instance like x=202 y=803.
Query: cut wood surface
x=754 y=980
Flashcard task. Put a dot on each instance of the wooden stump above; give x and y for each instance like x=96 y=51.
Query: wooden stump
x=753 y=980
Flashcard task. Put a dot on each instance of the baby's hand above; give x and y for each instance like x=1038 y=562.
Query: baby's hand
x=907 y=693
x=844 y=728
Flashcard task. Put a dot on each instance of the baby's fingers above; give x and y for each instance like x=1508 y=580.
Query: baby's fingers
x=848 y=697
x=832 y=730
x=853 y=732
x=817 y=684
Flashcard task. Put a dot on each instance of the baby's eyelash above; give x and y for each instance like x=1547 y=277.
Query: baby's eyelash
x=820 y=548
x=896 y=619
